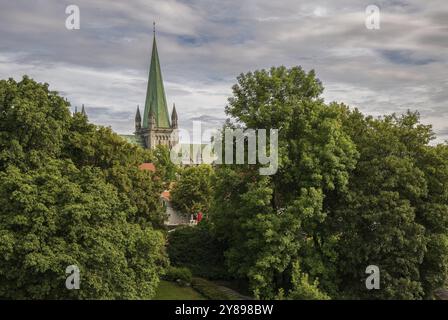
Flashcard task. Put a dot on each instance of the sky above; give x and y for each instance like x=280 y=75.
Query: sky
x=205 y=44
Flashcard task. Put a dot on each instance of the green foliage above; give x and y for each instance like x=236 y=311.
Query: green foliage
x=71 y=194
x=264 y=97
x=167 y=168
x=33 y=121
x=303 y=289
x=178 y=273
x=59 y=215
x=386 y=218
x=267 y=220
x=350 y=191
x=198 y=249
x=192 y=191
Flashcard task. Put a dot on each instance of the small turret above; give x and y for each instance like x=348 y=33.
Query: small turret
x=83 y=111
x=174 y=118
x=138 y=120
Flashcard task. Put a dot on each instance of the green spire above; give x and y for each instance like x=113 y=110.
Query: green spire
x=155 y=93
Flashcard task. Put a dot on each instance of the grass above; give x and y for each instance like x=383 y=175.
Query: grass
x=172 y=291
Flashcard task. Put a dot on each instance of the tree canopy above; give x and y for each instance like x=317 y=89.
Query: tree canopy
x=192 y=191
x=351 y=191
x=71 y=194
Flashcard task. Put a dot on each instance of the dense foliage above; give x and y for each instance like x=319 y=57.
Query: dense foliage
x=351 y=191
x=198 y=249
x=167 y=170
x=178 y=274
x=71 y=194
x=395 y=212
x=192 y=190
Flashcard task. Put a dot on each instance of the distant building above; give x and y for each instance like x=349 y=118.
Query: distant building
x=83 y=111
x=155 y=127
x=174 y=218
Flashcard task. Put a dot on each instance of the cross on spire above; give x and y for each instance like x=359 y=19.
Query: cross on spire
x=154 y=27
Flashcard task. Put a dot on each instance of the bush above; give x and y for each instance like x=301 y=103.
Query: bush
x=177 y=273
x=304 y=288
x=199 y=250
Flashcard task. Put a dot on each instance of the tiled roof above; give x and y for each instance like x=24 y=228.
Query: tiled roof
x=147 y=166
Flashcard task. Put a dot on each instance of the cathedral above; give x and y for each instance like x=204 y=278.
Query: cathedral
x=155 y=127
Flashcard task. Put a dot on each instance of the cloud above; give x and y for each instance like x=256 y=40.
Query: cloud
x=204 y=44
x=405 y=57
x=443 y=132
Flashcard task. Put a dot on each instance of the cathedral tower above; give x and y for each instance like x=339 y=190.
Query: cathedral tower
x=155 y=128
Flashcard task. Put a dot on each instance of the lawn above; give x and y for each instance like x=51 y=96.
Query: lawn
x=171 y=291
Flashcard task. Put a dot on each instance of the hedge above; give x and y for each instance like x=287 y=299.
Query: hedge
x=211 y=291
x=176 y=273
x=198 y=249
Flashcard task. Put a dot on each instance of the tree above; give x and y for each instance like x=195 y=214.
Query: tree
x=192 y=191
x=88 y=145
x=71 y=194
x=350 y=191
x=386 y=218
x=268 y=221
x=33 y=121
x=58 y=216
x=198 y=249
x=161 y=155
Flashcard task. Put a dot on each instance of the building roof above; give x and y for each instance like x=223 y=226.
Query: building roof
x=138 y=117
x=174 y=113
x=155 y=93
x=133 y=139
x=147 y=166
